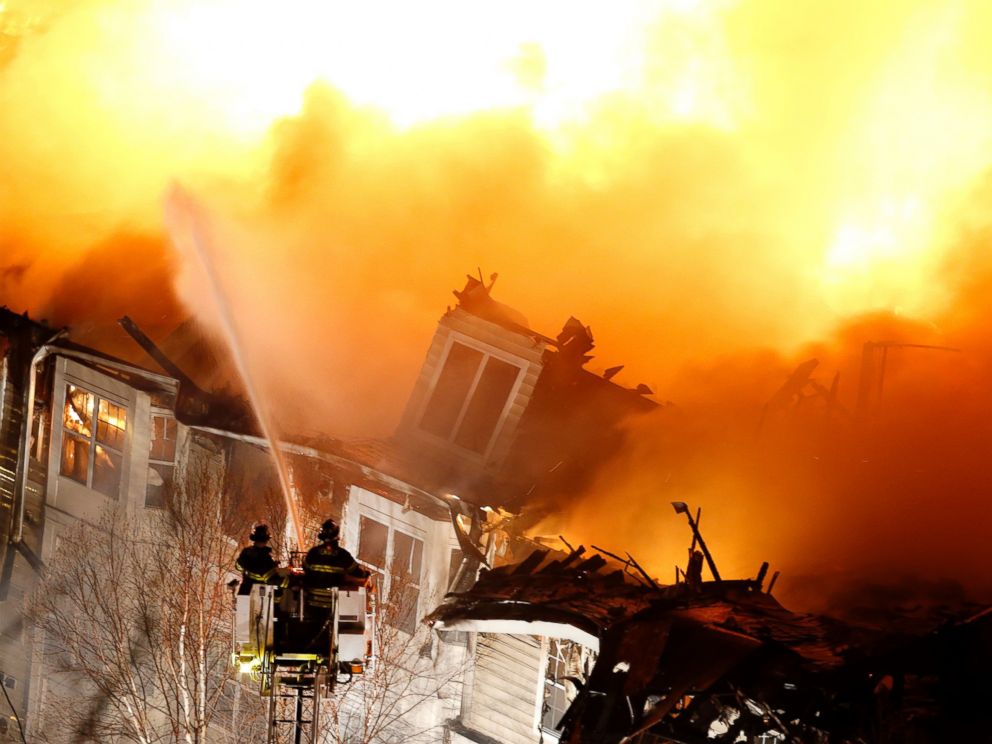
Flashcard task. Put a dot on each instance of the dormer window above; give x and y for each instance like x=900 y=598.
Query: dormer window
x=470 y=397
x=476 y=383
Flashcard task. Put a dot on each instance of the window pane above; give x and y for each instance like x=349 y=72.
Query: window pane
x=107 y=472
x=111 y=423
x=555 y=705
x=416 y=558
x=556 y=696
x=372 y=537
x=163 y=441
x=556 y=663
x=75 y=458
x=448 y=398
x=78 y=414
x=159 y=482
x=454 y=563
x=487 y=404
x=408 y=552
x=405 y=599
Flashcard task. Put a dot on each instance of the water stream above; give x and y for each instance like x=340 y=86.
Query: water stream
x=178 y=207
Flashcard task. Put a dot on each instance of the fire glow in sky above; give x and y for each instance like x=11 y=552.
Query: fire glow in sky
x=717 y=188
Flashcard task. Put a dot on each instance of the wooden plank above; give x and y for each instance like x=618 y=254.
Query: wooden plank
x=516 y=705
x=502 y=730
x=493 y=721
x=497 y=336
x=516 y=663
x=519 y=655
x=505 y=688
x=521 y=651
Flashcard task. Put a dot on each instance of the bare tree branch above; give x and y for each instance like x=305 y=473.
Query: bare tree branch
x=135 y=616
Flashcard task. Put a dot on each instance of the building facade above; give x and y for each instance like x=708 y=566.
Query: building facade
x=82 y=433
x=500 y=418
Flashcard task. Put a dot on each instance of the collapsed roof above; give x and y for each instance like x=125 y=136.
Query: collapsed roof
x=541 y=427
x=719 y=660
x=551 y=438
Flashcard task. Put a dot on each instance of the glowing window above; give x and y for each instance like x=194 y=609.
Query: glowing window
x=110 y=425
x=91 y=455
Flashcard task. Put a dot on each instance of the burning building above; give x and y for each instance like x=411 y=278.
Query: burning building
x=501 y=417
x=502 y=421
x=721 y=189
x=83 y=432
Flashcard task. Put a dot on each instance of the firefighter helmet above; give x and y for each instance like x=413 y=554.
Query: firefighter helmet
x=260 y=533
x=329 y=531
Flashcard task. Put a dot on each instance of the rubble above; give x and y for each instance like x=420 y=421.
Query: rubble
x=724 y=661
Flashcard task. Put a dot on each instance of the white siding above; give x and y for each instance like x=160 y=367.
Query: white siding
x=503 y=703
x=67 y=501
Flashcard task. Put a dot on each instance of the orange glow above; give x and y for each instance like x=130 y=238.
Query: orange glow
x=140 y=93
x=717 y=187
x=914 y=143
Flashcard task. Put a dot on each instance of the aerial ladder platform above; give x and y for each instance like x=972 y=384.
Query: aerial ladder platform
x=299 y=652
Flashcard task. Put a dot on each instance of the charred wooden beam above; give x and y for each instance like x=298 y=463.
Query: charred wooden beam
x=156 y=353
x=681 y=508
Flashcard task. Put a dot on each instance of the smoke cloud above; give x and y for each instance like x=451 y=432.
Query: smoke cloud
x=752 y=186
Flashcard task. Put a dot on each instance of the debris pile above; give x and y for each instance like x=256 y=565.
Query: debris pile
x=723 y=660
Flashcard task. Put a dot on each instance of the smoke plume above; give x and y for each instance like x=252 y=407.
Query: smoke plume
x=721 y=190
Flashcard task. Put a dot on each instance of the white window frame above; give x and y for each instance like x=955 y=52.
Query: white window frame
x=547 y=642
x=437 y=537
x=548 y=645
x=487 y=351
x=166 y=414
x=392 y=527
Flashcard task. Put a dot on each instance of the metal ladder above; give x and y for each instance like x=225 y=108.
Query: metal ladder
x=294 y=705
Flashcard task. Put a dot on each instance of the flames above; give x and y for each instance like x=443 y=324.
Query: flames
x=717 y=188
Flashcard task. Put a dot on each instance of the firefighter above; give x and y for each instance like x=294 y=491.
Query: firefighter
x=256 y=564
x=327 y=565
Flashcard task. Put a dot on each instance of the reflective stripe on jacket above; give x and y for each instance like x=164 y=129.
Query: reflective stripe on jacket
x=328 y=566
x=256 y=564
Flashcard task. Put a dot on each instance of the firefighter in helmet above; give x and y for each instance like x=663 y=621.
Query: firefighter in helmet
x=327 y=565
x=256 y=564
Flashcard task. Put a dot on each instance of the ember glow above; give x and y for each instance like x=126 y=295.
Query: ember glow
x=719 y=189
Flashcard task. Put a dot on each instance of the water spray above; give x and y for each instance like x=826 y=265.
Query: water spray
x=178 y=204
